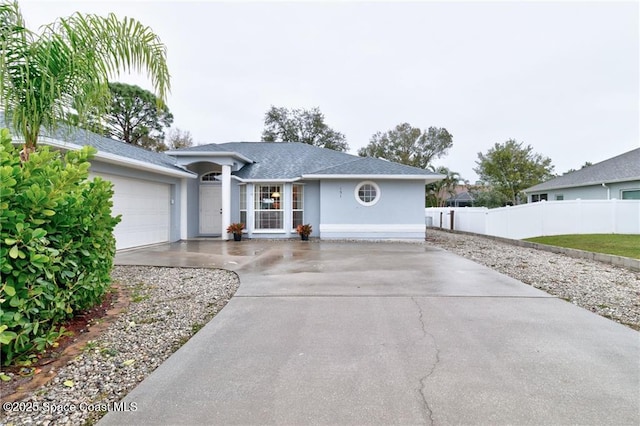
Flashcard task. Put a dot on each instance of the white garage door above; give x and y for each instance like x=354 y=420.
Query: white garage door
x=145 y=210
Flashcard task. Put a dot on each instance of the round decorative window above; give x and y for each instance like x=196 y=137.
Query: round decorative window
x=367 y=193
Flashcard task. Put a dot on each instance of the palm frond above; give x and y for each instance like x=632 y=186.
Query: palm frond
x=67 y=67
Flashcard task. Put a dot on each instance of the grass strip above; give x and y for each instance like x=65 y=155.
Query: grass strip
x=616 y=244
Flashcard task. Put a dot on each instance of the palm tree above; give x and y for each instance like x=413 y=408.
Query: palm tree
x=65 y=69
x=438 y=192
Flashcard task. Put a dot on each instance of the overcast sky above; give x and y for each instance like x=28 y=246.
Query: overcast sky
x=560 y=76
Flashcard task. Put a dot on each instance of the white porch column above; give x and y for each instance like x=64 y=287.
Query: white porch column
x=226 y=200
x=184 y=209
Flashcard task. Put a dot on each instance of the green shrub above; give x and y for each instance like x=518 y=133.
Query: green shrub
x=56 y=244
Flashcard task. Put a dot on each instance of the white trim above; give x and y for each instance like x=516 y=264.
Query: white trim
x=118 y=159
x=281 y=210
x=356 y=193
x=371 y=228
x=214 y=154
x=373 y=231
x=265 y=180
x=269 y=231
x=426 y=178
x=250 y=209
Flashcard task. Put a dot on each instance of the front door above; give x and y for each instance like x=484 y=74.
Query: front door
x=211 y=209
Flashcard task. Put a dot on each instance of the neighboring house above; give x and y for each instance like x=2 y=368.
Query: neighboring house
x=456 y=196
x=617 y=177
x=271 y=187
x=461 y=199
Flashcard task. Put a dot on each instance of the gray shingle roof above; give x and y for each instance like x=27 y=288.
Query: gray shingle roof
x=271 y=160
x=283 y=160
x=372 y=166
x=212 y=147
x=83 y=137
x=290 y=160
x=620 y=168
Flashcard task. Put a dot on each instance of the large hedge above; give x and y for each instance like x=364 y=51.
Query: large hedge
x=56 y=244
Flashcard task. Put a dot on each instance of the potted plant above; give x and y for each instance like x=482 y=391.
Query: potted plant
x=304 y=231
x=236 y=230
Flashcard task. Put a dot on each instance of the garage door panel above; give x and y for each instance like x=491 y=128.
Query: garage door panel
x=145 y=210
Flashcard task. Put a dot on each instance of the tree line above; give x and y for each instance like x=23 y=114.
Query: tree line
x=135 y=116
x=505 y=170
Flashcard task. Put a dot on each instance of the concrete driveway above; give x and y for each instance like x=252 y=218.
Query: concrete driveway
x=384 y=333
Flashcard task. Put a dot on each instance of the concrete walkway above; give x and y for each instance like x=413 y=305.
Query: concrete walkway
x=384 y=333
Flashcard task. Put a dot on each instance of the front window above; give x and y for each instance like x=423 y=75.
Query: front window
x=243 y=205
x=367 y=193
x=268 y=207
x=633 y=194
x=297 y=205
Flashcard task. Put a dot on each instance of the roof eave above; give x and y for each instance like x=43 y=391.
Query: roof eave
x=426 y=178
x=118 y=159
x=231 y=154
x=253 y=180
x=580 y=185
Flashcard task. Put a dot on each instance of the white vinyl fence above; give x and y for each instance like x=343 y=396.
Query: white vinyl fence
x=543 y=218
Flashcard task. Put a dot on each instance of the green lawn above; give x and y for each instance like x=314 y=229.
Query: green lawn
x=617 y=244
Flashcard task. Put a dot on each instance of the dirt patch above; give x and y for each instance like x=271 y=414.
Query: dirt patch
x=85 y=326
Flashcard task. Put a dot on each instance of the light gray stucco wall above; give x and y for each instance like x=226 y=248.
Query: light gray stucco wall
x=193 y=217
x=235 y=203
x=312 y=206
x=112 y=169
x=399 y=213
x=401 y=202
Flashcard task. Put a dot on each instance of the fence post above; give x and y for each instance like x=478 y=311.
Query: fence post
x=441 y=220
x=452 y=216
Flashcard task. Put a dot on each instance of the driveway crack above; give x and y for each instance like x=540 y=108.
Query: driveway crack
x=423 y=379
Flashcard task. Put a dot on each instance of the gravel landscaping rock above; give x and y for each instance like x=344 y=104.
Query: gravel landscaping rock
x=168 y=306
x=607 y=290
